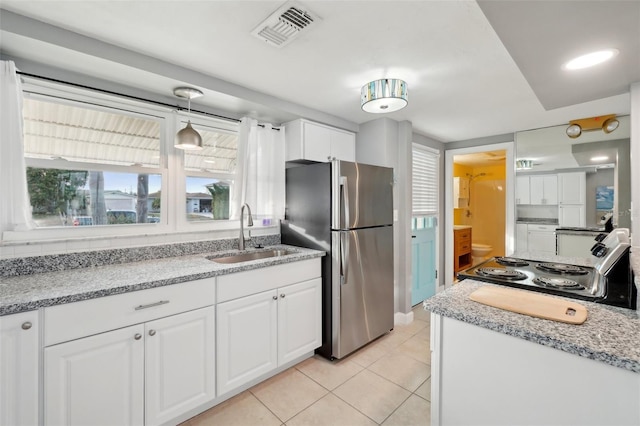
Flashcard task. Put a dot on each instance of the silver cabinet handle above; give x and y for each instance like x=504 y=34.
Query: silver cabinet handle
x=282 y=295
x=152 y=332
x=137 y=336
x=27 y=325
x=151 y=305
x=275 y=297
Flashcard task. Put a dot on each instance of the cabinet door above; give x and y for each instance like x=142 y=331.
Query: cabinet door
x=317 y=142
x=343 y=145
x=536 y=189
x=97 y=380
x=521 y=237
x=571 y=188
x=19 y=366
x=522 y=190
x=542 y=242
x=299 y=319
x=179 y=364
x=550 y=183
x=572 y=215
x=246 y=339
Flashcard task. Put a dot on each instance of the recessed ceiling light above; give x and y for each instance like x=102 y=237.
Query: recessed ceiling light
x=600 y=158
x=590 y=59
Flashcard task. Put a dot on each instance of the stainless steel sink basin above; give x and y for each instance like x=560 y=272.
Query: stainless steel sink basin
x=247 y=257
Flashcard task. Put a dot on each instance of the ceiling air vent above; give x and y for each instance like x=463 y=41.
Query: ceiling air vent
x=284 y=24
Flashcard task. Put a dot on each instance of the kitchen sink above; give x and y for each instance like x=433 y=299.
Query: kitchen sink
x=247 y=257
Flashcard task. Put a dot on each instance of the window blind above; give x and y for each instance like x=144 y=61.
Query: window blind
x=425 y=181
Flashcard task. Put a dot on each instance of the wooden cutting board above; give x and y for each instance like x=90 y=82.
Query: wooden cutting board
x=531 y=303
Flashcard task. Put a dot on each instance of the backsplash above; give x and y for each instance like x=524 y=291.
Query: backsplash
x=59 y=262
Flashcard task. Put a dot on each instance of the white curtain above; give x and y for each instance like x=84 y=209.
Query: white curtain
x=15 y=208
x=260 y=171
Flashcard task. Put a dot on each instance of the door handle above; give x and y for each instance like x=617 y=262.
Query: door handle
x=414 y=236
x=344 y=257
x=345 y=200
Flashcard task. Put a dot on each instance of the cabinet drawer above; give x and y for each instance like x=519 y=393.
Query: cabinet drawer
x=255 y=281
x=463 y=247
x=463 y=234
x=79 y=319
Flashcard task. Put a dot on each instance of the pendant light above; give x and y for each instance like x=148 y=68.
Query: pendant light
x=386 y=95
x=188 y=138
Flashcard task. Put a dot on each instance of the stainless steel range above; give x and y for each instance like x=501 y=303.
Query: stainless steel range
x=608 y=281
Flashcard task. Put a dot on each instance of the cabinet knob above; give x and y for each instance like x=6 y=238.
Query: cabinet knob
x=27 y=325
x=138 y=336
x=152 y=332
x=329 y=158
x=282 y=295
x=275 y=297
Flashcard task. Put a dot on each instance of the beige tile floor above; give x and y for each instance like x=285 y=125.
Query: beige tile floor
x=385 y=383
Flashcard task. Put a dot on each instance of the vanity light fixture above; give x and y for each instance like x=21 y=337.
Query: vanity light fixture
x=385 y=95
x=608 y=123
x=188 y=138
x=590 y=59
x=599 y=158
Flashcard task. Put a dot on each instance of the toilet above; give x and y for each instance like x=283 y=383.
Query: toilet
x=479 y=252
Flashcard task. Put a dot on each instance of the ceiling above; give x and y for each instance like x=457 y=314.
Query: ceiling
x=474 y=69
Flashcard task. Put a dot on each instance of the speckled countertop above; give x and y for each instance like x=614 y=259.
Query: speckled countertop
x=609 y=335
x=20 y=293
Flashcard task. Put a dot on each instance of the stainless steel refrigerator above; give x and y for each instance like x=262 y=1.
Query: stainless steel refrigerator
x=346 y=209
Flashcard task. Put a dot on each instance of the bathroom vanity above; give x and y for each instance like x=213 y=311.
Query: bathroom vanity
x=461 y=248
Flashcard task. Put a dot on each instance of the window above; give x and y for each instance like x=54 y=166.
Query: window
x=76 y=157
x=425 y=181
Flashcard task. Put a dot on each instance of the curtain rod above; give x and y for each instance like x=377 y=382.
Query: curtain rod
x=81 y=86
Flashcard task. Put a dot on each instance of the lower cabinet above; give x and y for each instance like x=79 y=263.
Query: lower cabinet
x=541 y=239
x=262 y=331
x=143 y=374
x=19 y=366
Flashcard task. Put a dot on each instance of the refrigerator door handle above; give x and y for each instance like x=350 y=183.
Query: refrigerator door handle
x=344 y=187
x=344 y=257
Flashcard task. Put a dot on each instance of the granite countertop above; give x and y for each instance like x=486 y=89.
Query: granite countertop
x=28 y=292
x=538 y=221
x=609 y=334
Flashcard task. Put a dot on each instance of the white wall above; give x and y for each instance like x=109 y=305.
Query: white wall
x=386 y=142
x=635 y=171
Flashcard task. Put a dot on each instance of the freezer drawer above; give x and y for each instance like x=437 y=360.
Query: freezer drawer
x=362 y=287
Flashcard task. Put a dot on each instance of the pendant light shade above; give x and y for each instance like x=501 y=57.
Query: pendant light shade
x=188 y=138
x=386 y=95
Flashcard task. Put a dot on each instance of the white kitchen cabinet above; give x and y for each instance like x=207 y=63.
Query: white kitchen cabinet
x=19 y=366
x=541 y=239
x=522 y=190
x=179 y=364
x=522 y=235
x=543 y=189
x=141 y=357
x=306 y=140
x=146 y=373
x=572 y=215
x=97 y=380
x=572 y=199
x=572 y=188
x=259 y=332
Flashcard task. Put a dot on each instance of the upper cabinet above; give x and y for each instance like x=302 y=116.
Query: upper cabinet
x=571 y=188
x=543 y=189
x=311 y=141
x=522 y=190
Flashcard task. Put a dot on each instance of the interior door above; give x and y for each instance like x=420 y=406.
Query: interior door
x=423 y=258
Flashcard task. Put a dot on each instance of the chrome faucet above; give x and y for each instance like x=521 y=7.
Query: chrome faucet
x=249 y=223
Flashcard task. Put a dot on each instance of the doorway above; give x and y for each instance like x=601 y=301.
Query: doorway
x=479 y=202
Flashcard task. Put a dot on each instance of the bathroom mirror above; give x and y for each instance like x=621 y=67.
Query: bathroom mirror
x=604 y=157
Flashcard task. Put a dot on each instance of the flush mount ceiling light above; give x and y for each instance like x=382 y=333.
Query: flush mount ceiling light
x=608 y=123
x=386 y=95
x=188 y=138
x=590 y=59
x=524 y=164
x=599 y=158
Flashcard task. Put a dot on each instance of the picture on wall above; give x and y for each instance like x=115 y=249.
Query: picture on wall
x=604 y=198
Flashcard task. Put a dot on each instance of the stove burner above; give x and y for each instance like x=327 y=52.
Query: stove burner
x=505 y=274
x=561 y=268
x=511 y=261
x=559 y=283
